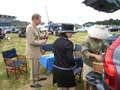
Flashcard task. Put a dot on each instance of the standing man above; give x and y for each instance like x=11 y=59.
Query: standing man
x=33 y=42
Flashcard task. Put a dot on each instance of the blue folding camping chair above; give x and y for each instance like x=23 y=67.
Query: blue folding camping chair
x=13 y=62
x=79 y=63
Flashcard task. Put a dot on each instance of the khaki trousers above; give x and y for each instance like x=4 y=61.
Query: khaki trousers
x=86 y=70
x=35 y=70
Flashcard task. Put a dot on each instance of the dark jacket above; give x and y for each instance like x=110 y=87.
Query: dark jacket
x=63 y=52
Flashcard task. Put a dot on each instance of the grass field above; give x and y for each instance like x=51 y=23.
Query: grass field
x=23 y=82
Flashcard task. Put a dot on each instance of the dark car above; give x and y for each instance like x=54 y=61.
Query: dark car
x=2 y=34
x=22 y=32
x=109 y=40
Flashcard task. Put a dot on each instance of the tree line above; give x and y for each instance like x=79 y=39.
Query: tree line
x=105 y=22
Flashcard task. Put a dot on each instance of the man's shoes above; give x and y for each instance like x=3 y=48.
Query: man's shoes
x=36 y=86
x=42 y=79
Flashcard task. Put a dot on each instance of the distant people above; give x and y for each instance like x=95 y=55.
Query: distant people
x=22 y=32
x=33 y=42
x=2 y=34
x=92 y=48
x=64 y=62
x=0 y=31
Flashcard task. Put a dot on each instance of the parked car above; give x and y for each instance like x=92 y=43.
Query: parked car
x=2 y=34
x=8 y=30
x=109 y=40
x=111 y=60
x=22 y=32
x=15 y=30
x=83 y=29
x=112 y=66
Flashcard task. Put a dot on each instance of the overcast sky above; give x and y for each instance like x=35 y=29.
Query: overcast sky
x=69 y=11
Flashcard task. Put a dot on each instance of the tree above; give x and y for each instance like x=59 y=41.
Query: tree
x=105 y=22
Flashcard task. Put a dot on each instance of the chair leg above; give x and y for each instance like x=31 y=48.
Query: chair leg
x=19 y=70
x=15 y=74
x=85 y=85
x=7 y=73
x=26 y=69
x=80 y=78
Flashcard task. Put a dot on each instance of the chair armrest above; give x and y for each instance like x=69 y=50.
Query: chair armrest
x=9 y=61
x=22 y=58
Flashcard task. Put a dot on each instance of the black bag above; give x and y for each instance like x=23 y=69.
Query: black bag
x=94 y=78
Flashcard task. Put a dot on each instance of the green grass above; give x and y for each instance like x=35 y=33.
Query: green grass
x=23 y=83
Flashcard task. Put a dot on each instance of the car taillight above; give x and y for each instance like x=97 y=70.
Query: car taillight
x=110 y=70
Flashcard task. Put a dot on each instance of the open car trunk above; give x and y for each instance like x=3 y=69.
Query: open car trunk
x=108 y=6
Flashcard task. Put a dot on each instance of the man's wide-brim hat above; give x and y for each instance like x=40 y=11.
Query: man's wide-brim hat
x=67 y=28
x=98 y=32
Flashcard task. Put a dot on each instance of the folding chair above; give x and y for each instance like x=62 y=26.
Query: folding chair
x=79 y=64
x=13 y=62
x=78 y=61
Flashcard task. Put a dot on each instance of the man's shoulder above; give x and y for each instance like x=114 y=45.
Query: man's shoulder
x=29 y=26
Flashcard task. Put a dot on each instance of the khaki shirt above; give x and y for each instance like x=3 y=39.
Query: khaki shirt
x=32 y=42
x=91 y=46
